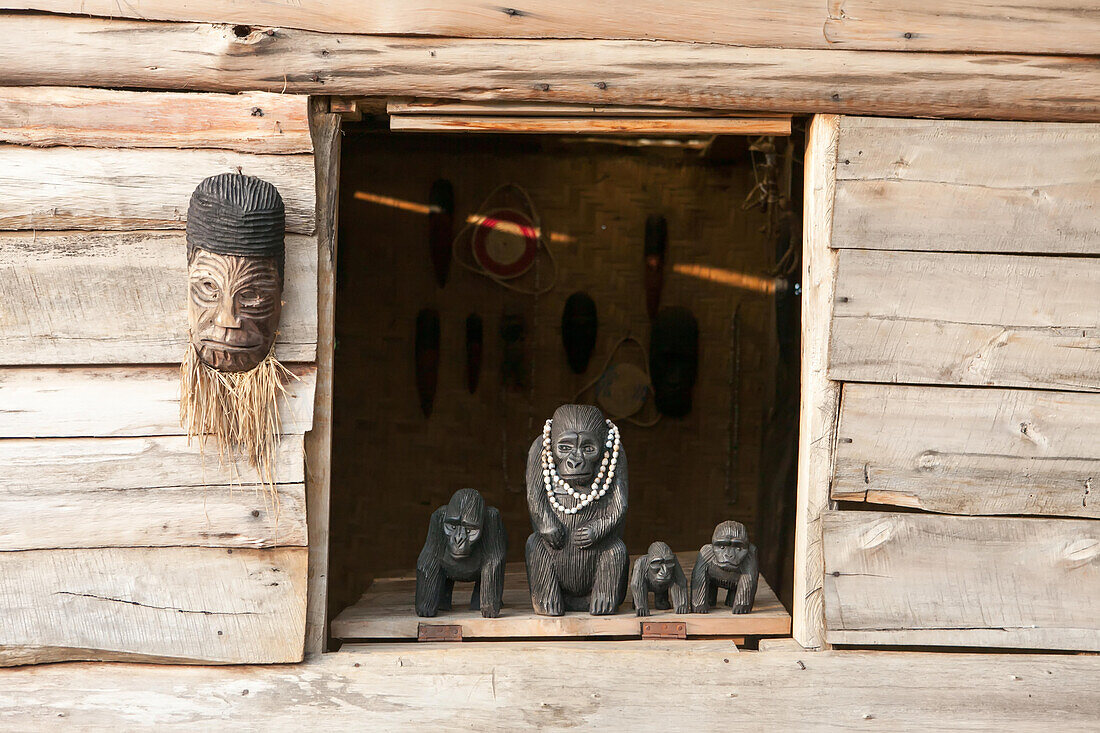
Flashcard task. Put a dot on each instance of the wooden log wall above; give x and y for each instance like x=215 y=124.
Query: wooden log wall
x=119 y=540
x=963 y=338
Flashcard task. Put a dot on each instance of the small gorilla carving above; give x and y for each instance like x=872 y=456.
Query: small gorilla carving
x=466 y=541
x=659 y=571
x=576 y=495
x=729 y=562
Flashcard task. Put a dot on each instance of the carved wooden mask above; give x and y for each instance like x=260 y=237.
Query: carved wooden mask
x=235 y=253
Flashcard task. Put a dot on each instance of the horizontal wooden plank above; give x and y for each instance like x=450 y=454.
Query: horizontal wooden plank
x=144 y=492
x=92 y=188
x=1004 y=320
x=255 y=122
x=969 y=451
x=73 y=298
x=1030 y=26
x=962 y=581
x=1024 y=26
x=951 y=185
x=594 y=125
x=535 y=109
x=117 y=53
x=488 y=686
x=182 y=604
x=122 y=401
x=386 y=611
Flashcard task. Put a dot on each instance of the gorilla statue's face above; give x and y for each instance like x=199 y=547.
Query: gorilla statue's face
x=462 y=523
x=233 y=308
x=577 y=454
x=731 y=545
x=660 y=565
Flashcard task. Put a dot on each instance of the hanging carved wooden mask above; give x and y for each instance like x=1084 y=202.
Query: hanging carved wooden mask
x=235 y=256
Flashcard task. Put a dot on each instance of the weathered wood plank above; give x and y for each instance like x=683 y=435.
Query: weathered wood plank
x=135 y=54
x=1012 y=26
x=535 y=109
x=326 y=130
x=92 y=188
x=594 y=125
x=969 y=451
x=72 y=298
x=488 y=686
x=820 y=395
x=122 y=401
x=144 y=492
x=1030 y=26
x=961 y=581
x=256 y=122
x=968 y=186
x=184 y=604
x=386 y=611
x=933 y=318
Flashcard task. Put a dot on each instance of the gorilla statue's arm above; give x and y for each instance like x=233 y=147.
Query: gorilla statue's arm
x=700 y=580
x=429 y=568
x=542 y=514
x=613 y=513
x=494 y=544
x=746 y=584
x=639 y=588
x=678 y=591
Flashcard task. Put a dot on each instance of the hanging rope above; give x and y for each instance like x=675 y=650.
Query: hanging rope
x=481 y=217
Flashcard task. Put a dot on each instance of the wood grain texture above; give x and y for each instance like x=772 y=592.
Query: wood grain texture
x=92 y=188
x=122 y=401
x=326 y=132
x=488 y=686
x=144 y=492
x=593 y=125
x=962 y=581
x=933 y=318
x=535 y=109
x=1031 y=26
x=183 y=604
x=135 y=54
x=72 y=297
x=820 y=396
x=969 y=451
x=968 y=186
x=386 y=611
x=1013 y=26
x=251 y=123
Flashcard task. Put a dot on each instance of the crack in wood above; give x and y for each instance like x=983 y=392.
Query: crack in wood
x=159 y=608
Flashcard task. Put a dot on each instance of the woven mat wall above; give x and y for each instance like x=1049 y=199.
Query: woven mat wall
x=392 y=466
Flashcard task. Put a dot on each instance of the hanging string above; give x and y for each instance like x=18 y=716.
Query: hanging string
x=542 y=243
x=649 y=381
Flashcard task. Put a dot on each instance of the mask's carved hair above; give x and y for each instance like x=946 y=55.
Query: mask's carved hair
x=235 y=214
x=579 y=417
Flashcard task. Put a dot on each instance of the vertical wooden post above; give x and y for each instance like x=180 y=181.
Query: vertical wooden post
x=820 y=396
x=324 y=128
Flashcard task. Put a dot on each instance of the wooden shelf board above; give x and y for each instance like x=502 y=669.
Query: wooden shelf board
x=386 y=612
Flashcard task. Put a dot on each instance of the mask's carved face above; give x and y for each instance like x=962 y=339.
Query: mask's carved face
x=731 y=544
x=233 y=308
x=462 y=522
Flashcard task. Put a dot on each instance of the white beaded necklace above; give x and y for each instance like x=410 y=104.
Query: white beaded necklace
x=606 y=475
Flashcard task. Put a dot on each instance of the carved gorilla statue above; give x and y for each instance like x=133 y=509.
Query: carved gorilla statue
x=729 y=562
x=576 y=559
x=466 y=541
x=659 y=571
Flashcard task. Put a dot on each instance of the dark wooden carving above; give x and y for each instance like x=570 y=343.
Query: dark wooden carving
x=466 y=542
x=578 y=330
x=426 y=353
x=729 y=562
x=659 y=572
x=656 y=245
x=235 y=253
x=475 y=346
x=441 y=228
x=674 y=360
x=577 y=496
